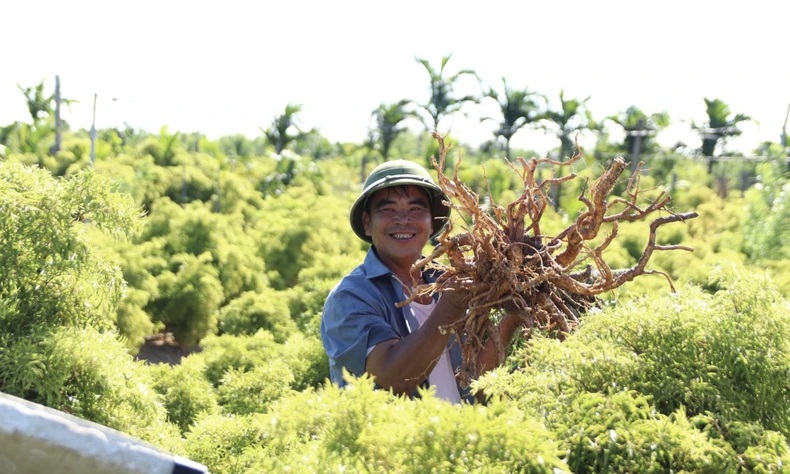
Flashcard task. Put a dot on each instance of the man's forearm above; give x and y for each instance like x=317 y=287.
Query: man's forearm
x=402 y=364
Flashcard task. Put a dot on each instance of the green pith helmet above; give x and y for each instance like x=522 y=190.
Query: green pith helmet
x=400 y=173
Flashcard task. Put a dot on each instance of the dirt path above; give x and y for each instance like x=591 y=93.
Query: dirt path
x=163 y=349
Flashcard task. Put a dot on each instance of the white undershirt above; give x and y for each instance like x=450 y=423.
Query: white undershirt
x=442 y=376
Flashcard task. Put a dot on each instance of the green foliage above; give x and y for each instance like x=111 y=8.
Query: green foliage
x=163 y=148
x=237 y=194
x=307 y=298
x=90 y=375
x=297 y=228
x=49 y=230
x=693 y=382
x=193 y=177
x=188 y=395
x=617 y=392
x=725 y=354
x=491 y=179
x=132 y=321
x=252 y=391
x=621 y=433
x=766 y=228
x=361 y=429
x=304 y=357
x=249 y=312
x=195 y=230
x=138 y=176
x=223 y=353
x=190 y=295
x=219 y=441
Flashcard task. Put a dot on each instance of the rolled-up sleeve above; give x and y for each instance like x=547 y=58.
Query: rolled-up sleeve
x=349 y=326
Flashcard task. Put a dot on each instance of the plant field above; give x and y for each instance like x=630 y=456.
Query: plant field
x=231 y=255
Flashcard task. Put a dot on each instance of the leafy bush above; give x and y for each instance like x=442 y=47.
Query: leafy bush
x=767 y=227
x=638 y=369
x=187 y=394
x=90 y=375
x=189 y=298
x=219 y=441
x=250 y=312
x=303 y=356
x=223 y=353
x=298 y=229
x=306 y=359
x=361 y=429
x=51 y=275
x=308 y=297
x=622 y=433
x=252 y=391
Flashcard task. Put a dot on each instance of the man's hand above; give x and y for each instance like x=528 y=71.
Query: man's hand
x=457 y=298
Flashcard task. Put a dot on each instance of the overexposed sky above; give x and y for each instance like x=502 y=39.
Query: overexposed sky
x=229 y=67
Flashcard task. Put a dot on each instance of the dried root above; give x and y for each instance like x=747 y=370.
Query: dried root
x=507 y=265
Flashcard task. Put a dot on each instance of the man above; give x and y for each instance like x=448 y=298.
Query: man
x=398 y=211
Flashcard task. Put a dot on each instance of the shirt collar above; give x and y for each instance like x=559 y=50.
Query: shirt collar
x=374 y=268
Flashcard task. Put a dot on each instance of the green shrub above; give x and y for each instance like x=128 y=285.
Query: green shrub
x=252 y=391
x=51 y=274
x=253 y=311
x=306 y=359
x=723 y=358
x=223 y=353
x=622 y=433
x=187 y=394
x=218 y=441
x=359 y=429
x=92 y=376
x=189 y=298
x=308 y=297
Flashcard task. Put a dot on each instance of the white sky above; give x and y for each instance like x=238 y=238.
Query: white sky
x=229 y=67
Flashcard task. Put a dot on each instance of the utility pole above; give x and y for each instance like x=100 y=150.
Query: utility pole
x=638 y=133
x=58 y=125
x=784 y=138
x=93 y=132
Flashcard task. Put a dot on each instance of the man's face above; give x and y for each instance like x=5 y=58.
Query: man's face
x=399 y=222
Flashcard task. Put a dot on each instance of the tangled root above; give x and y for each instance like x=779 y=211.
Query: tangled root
x=508 y=266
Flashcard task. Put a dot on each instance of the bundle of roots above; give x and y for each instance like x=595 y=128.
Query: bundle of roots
x=509 y=268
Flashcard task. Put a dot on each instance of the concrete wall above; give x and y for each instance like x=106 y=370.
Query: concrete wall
x=37 y=439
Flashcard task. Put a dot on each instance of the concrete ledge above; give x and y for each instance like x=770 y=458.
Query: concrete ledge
x=38 y=439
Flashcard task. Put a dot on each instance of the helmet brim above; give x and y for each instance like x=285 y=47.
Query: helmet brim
x=440 y=210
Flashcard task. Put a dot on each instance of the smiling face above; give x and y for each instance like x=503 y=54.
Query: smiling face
x=398 y=221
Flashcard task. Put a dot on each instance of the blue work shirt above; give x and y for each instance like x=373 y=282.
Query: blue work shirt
x=360 y=312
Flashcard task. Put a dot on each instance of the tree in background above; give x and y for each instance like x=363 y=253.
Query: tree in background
x=38 y=103
x=640 y=130
x=31 y=138
x=719 y=127
x=519 y=108
x=281 y=132
x=572 y=117
x=389 y=124
x=443 y=101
